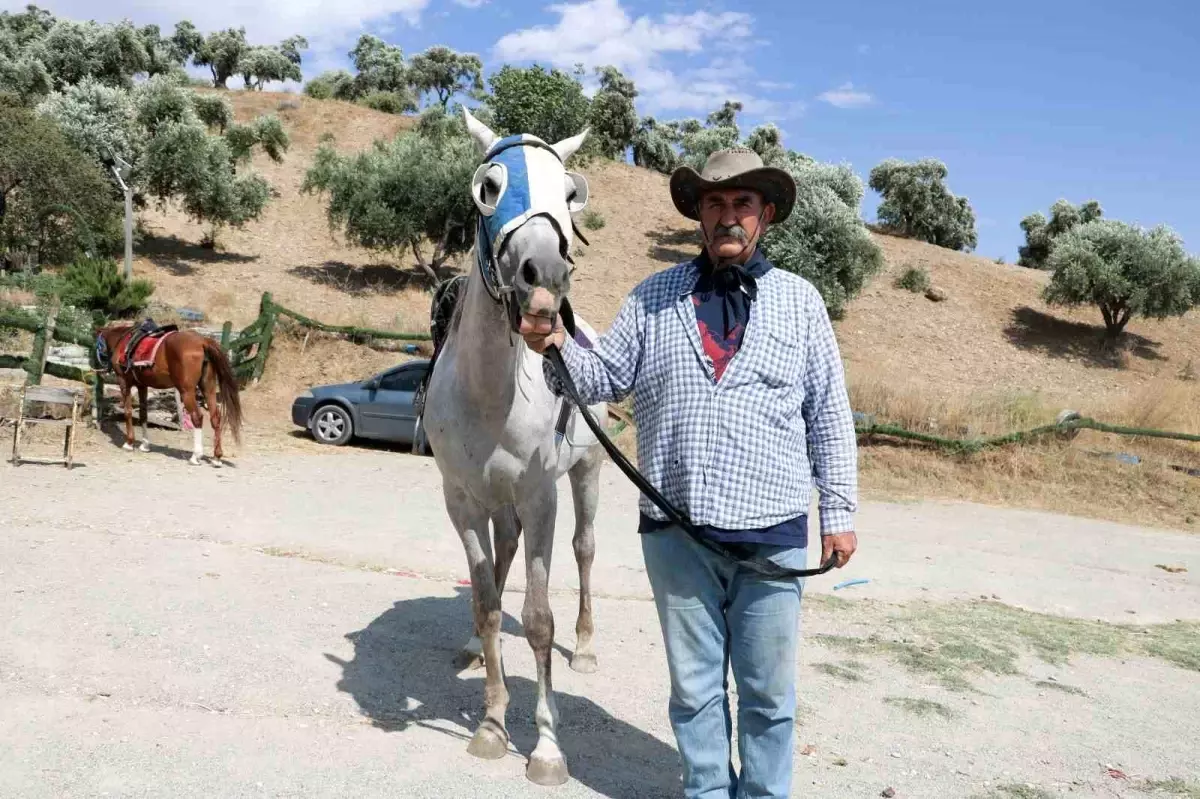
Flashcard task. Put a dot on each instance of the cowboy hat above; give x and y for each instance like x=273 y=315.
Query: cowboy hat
x=733 y=168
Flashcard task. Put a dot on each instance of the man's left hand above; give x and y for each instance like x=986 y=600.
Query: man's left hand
x=842 y=544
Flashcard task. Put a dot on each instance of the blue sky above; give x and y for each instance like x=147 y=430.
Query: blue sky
x=1025 y=101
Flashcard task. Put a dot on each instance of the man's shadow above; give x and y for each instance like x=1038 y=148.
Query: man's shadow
x=403 y=675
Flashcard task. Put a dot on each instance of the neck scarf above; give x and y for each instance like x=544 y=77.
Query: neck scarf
x=735 y=284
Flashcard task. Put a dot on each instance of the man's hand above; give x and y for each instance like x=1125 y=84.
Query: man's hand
x=842 y=544
x=536 y=331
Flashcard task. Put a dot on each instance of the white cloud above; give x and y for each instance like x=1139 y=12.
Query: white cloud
x=326 y=25
x=773 y=85
x=601 y=32
x=470 y=3
x=846 y=96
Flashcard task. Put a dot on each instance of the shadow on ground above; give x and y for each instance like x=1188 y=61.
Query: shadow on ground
x=405 y=657
x=674 y=246
x=177 y=256
x=1040 y=332
x=354 y=280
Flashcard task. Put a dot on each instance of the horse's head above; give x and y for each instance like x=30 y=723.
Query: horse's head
x=525 y=197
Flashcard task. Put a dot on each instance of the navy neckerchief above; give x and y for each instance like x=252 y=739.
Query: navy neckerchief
x=735 y=284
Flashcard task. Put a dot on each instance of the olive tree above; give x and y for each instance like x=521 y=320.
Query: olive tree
x=54 y=200
x=918 y=204
x=549 y=104
x=1040 y=233
x=222 y=52
x=443 y=72
x=1124 y=270
x=403 y=193
x=613 y=118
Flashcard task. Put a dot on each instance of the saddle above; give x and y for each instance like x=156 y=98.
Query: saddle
x=139 y=347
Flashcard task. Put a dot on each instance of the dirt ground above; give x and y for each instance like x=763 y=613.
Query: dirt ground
x=285 y=627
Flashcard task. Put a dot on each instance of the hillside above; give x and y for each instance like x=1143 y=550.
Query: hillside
x=991 y=356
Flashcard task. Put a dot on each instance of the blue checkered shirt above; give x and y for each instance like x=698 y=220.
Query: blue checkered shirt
x=746 y=451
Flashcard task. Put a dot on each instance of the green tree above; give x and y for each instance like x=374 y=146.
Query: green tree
x=726 y=116
x=548 y=104
x=824 y=240
x=767 y=141
x=54 y=200
x=221 y=52
x=331 y=85
x=101 y=121
x=1040 y=233
x=261 y=65
x=1124 y=270
x=380 y=67
x=99 y=285
x=444 y=73
x=186 y=41
x=613 y=118
x=403 y=193
x=654 y=146
x=214 y=111
x=111 y=54
x=917 y=203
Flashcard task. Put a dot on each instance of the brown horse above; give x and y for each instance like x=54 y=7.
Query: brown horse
x=185 y=361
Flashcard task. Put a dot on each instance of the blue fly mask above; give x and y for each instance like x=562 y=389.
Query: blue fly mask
x=521 y=177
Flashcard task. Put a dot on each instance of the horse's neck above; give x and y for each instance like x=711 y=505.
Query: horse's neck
x=488 y=355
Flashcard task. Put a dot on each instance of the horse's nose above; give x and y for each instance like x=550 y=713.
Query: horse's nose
x=554 y=276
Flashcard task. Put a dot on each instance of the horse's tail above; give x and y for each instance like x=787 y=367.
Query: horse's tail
x=231 y=403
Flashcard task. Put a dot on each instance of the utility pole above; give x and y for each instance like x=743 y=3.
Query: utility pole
x=122 y=170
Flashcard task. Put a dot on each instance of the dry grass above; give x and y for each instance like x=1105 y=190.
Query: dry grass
x=919 y=707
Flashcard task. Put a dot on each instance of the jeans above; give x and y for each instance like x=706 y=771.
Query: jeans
x=715 y=617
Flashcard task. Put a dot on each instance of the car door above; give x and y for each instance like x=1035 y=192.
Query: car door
x=388 y=412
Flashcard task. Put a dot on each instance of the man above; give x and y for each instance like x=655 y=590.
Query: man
x=740 y=405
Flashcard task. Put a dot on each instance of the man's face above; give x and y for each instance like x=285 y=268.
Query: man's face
x=731 y=218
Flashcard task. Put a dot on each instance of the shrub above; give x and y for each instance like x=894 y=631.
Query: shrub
x=917 y=203
x=213 y=110
x=389 y=102
x=98 y=285
x=1124 y=270
x=592 y=219
x=914 y=279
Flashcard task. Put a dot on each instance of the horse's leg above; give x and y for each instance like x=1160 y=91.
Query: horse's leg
x=471 y=655
x=585 y=491
x=507 y=530
x=547 y=766
x=192 y=409
x=127 y=403
x=209 y=386
x=143 y=417
x=470 y=520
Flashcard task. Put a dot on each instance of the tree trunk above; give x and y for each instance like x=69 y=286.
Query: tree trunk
x=429 y=270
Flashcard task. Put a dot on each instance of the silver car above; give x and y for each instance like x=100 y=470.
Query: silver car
x=379 y=408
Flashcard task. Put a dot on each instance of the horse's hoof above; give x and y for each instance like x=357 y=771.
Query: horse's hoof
x=584 y=662
x=466 y=660
x=217 y=463
x=145 y=447
x=127 y=447
x=194 y=461
x=547 y=771
x=490 y=741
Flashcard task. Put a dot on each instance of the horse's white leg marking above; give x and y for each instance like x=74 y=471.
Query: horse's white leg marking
x=197 y=447
x=145 y=447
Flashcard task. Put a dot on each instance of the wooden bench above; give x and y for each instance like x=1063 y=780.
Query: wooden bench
x=50 y=396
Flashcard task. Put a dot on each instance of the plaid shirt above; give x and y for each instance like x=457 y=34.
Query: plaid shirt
x=745 y=451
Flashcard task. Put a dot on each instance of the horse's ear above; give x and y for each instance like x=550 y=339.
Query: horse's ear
x=568 y=147
x=481 y=133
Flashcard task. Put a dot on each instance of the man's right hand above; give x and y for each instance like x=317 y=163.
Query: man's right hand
x=537 y=332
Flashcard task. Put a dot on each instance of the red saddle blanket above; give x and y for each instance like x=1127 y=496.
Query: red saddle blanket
x=145 y=351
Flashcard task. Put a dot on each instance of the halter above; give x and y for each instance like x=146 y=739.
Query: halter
x=514 y=208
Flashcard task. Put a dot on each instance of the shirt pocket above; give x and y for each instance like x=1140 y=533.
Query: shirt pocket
x=780 y=361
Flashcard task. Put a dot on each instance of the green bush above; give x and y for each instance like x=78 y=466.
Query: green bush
x=389 y=102
x=98 y=285
x=213 y=110
x=918 y=204
x=592 y=220
x=914 y=279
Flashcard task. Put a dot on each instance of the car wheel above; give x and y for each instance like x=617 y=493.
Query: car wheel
x=331 y=424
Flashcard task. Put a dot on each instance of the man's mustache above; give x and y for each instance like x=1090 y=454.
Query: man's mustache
x=733 y=231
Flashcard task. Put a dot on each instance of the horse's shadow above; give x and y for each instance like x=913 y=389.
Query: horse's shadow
x=402 y=675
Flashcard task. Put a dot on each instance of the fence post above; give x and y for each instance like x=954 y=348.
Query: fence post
x=42 y=341
x=269 y=313
x=226 y=333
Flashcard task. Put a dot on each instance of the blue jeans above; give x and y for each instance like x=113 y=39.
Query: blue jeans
x=714 y=617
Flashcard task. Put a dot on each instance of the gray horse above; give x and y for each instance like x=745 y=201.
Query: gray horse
x=494 y=424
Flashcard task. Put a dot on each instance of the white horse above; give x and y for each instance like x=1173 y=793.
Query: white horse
x=490 y=418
